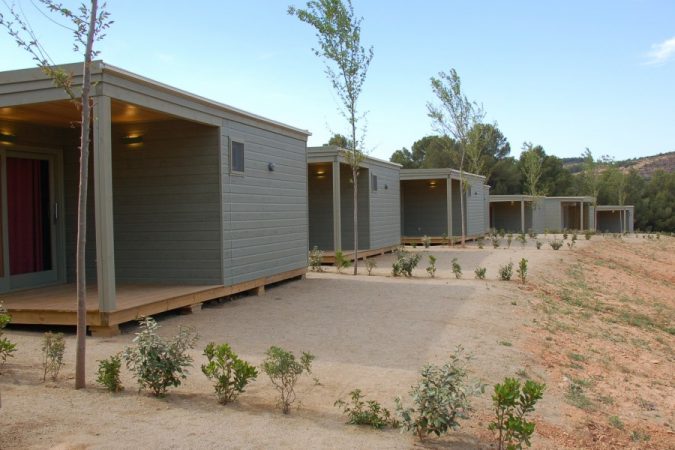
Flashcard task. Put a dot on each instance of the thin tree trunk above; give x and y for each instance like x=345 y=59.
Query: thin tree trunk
x=461 y=195
x=355 y=175
x=80 y=381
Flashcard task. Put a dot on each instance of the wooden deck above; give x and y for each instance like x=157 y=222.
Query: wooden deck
x=329 y=257
x=56 y=305
x=436 y=240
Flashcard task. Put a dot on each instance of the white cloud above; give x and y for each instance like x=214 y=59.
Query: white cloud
x=662 y=52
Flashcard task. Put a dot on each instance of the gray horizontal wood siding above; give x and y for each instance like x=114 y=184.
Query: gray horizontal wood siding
x=385 y=208
x=475 y=207
x=166 y=204
x=265 y=221
x=347 y=207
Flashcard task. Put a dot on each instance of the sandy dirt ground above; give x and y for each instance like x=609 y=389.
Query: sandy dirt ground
x=374 y=333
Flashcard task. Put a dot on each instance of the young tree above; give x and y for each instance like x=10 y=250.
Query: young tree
x=591 y=169
x=532 y=161
x=88 y=26
x=339 y=34
x=454 y=116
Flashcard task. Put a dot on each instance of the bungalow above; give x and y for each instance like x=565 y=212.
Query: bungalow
x=430 y=204
x=522 y=213
x=331 y=203
x=189 y=200
x=615 y=218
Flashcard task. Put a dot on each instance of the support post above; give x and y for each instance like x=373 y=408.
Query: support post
x=449 y=206
x=522 y=216
x=337 y=219
x=581 y=216
x=103 y=205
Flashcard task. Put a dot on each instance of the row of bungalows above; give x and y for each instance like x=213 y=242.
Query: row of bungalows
x=192 y=200
x=527 y=213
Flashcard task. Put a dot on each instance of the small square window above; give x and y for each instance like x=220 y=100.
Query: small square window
x=374 y=182
x=237 y=156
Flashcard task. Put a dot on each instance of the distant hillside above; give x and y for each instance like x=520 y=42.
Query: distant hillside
x=645 y=166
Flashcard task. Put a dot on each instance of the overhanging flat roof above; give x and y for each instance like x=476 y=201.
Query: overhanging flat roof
x=431 y=174
x=329 y=153
x=16 y=84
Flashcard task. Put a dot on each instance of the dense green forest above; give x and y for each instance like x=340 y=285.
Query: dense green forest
x=535 y=172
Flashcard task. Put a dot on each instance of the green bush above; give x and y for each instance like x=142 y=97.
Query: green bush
x=522 y=270
x=405 y=263
x=522 y=238
x=53 y=348
x=480 y=273
x=284 y=371
x=7 y=347
x=481 y=242
x=555 y=244
x=506 y=272
x=511 y=406
x=532 y=233
x=538 y=244
x=426 y=241
x=588 y=234
x=229 y=373
x=341 y=261
x=496 y=242
x=565 y=234
x=370 y=265
x=108 y=374
x=315 y=258
x=440 y=398
x=431 y=269
x=456 y=268
x=158 y=363
x=365 y=413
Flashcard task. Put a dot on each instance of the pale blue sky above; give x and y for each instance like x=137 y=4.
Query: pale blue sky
x=563 y=74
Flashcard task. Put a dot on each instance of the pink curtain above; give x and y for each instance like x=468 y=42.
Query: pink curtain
x=25 y=214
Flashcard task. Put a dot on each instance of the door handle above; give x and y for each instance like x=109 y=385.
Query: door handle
x=56 y=211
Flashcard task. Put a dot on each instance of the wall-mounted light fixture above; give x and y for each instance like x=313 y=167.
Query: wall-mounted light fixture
x=320 y=172
x=432 y=184
x=129 y=140
x=386 y=187
x=6 y=138
x=270 y=166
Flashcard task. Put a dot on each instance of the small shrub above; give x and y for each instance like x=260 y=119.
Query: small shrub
x=480 y=273
x=370 y=265
x=108 y=374
x=501 y=233
x=574 y=236
x=588 y=234
x=538 y=244
x=431 y=270
x=511 y=406
x=639 y=436
x=506 y=272
x=496 y=242
x=426 y=241
x=365 y=413
x=555 y=244
x=157 y=363
x=509 y=239
x=284 y=371
x=532 y=234
x=616 y=422
x=570 y=245
x=53 y=348
x=481 y=243
x=440 y=398
x=576 y=396
x=565 y=234
x=522 y=238
x=341 y=261
x=229 y=373
x=522 y=270
x=7 y=347
x=456 y=268
x=315 y=258
x=405 y=263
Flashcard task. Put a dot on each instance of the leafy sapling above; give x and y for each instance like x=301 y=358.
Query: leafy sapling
x=431 y=269
x=7 y=347
x=506 y=272
x=370 y=412
x=522 y=238
x=511 y=406
x=555 y=244
x=108 y=374
x=341 y=261
x=426 y=241
x=509 y=239
x=159 y=363
x=522 y=270
x=456 y=268
x=405 y=263
x=229 y=373
x=315 y=259
x=284 y=370
x=538 y=244
x=496 y=242
x=440 y=398
x=53 y=348
x=480 y=273
x=370 y=265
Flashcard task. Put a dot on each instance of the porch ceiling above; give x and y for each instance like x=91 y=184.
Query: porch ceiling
x=65 y=112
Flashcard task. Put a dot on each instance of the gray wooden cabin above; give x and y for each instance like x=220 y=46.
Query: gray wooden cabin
x=522 y=213
x=430 y=204
x=615 y=218
x=330 y=196
x=189 y=199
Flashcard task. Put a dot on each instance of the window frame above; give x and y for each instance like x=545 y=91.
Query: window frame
x=231 y=143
